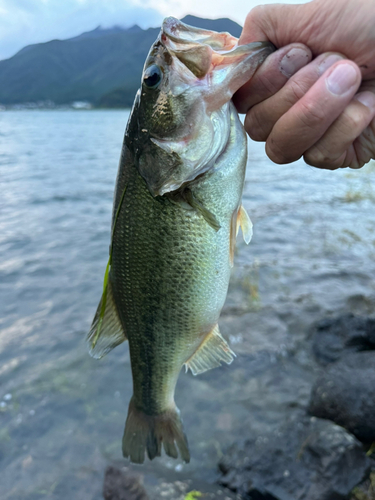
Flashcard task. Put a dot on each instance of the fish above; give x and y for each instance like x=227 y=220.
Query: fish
x=176 y=213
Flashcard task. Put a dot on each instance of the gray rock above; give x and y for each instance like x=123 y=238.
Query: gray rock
x=365 y=490
x=306 y=459
x=345 y=393
x=334 y=337
x=179 y=490
x=121 y=485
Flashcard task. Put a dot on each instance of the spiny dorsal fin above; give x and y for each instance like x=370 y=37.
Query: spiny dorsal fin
x=212 y=351
x=244 y=221
x=106 y=331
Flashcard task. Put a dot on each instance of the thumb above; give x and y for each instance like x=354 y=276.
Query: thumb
x=280 y=24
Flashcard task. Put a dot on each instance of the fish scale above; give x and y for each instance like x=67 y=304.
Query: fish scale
x=168 y=266
x=176 y=214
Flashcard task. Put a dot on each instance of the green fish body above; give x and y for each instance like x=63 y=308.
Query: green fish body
x=176 y=213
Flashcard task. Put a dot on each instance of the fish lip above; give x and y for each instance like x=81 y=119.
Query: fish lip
x=174 y=30
x=221 y=42
x=170 y=24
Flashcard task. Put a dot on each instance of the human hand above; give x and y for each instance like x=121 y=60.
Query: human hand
x=312 y=109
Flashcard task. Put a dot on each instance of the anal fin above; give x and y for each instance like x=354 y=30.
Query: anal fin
x=212 y=351
x=106 y=331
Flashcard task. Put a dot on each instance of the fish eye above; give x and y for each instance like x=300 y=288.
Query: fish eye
x=152 y=76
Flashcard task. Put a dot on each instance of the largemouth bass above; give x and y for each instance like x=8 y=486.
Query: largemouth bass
x=177 y=208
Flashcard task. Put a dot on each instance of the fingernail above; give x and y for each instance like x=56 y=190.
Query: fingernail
x=367 y=99
x=294 y=60
x=328 y=62
x=341 y=79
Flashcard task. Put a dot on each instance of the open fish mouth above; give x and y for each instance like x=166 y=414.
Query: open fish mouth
x=208 y=52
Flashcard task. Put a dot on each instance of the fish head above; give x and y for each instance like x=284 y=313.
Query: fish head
x=180 y=119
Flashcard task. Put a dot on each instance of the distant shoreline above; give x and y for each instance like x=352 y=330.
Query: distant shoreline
x=101 y=68
x=59 y=108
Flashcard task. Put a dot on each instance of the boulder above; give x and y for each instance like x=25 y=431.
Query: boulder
x=345 y=394
x=305 y=459
x=334 y=337
x=119 y=484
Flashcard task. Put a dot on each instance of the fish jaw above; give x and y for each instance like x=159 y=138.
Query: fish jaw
x=218 y=62
x=178 y=31
x=182 y=121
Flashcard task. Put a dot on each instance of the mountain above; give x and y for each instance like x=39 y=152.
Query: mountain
x=214 y=24
x=102 y=66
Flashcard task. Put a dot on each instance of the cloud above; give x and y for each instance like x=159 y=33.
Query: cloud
x=23 y=22
x=212 y=9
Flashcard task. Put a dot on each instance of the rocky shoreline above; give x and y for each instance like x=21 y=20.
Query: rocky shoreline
x=322 y=450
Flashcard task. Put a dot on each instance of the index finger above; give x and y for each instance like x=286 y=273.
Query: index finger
x=306 y=122
x=272 y=75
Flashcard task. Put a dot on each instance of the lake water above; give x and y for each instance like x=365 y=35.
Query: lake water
x=62 y=413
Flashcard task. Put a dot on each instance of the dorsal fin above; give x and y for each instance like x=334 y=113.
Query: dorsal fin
x=106 y=331
x=212 y=351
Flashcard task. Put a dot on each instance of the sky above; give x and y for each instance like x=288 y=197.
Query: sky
x=23 y=22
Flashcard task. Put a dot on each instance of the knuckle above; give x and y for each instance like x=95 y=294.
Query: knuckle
x=319 y=157
x=315 y=159
x=353 y=121
x=311 y=115
x=255 y=15
x=257 y=20
x=268 y=82
x=255 y=125
x=364 y=147
x=295 y=91
x=276 y=153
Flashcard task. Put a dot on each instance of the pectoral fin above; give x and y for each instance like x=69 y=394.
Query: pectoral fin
x=212 y=351
x=106 y=330
x=239 y=218
x=244 y=221
x=208 y=216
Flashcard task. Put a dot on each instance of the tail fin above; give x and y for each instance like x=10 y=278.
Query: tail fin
x=148 y=432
